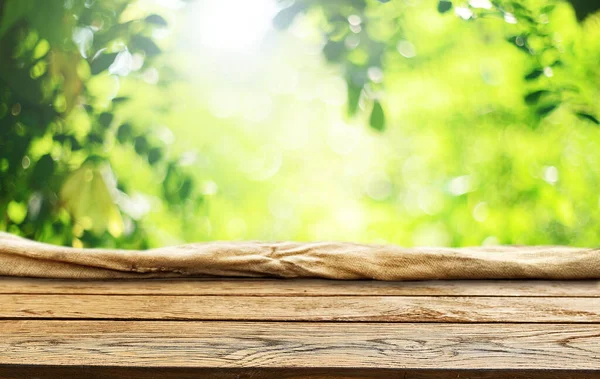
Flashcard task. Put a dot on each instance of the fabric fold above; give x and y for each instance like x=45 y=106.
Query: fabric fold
x=329 y=260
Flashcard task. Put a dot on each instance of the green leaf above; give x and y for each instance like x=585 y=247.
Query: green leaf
x=534 y=74
x=141 y=145
x=587 y=116
x=186 y=189
x=519 y=8
x=144 y=44
x=86 y=194
x=534 y=97
x=520 y=42
x=548 y=8
x=154 y=155
x=172 y=184
x=16 y=211
x=353 y=98
x=95 y=138
x=120 y=99
x=102 y=62
x=156 y=20
x=444 y=6
x=333 y=50
x=75 y=145
x=14 y=10
x=124 y=133
x=377 y=119
x=546 y=110
x=105 y=119
x=42 y=172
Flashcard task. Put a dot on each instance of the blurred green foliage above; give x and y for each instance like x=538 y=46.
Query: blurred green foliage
x=420 y=122
x=61 y=63
x=365 y=45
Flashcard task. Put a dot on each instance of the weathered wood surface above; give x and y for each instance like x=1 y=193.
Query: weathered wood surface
x=307 y=287
x=255 y=328
x=439 y=309
x=298 y=344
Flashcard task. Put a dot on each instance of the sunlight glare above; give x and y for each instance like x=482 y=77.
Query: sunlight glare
x=233 y=25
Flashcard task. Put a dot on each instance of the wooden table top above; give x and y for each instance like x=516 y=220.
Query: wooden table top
x=268 y=328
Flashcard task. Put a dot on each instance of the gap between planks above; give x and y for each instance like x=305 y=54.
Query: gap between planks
x=301 y=345
x=117 y=372
x=302 y=287
x=440 y=309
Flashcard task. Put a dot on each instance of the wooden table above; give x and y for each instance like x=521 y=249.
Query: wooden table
x=298 y=329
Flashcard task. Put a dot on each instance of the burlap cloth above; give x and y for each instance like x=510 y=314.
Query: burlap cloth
x=331 y=260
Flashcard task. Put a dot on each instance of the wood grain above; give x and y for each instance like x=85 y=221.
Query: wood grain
x=301 y=345
x=292 y=329
x=305 y=287
x=330 y=308
x=103 y=372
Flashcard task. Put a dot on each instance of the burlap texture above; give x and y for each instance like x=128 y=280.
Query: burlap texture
x=331 y=260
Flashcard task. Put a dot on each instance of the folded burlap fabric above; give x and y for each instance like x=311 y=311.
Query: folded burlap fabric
x=331 y=260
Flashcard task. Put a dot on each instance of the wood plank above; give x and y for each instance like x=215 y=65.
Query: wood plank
x=356 y=309
x=301 y=345
x=103 y=372
x=305 y=287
